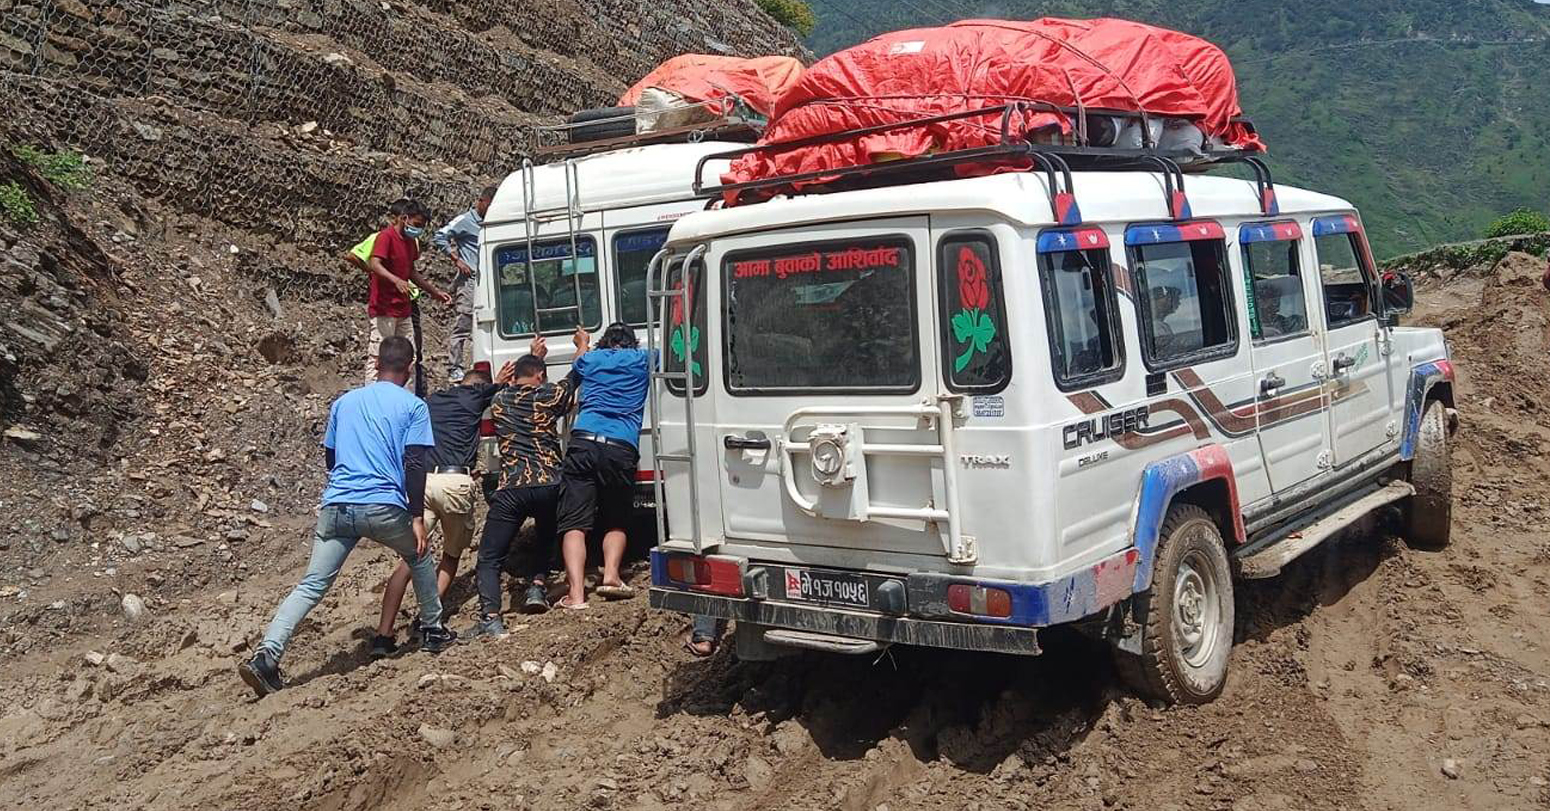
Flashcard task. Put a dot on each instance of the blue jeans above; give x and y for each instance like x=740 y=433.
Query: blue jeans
x=708 y=629
x=339 y=527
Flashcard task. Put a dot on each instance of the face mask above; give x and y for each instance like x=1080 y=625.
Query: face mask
x=413 y=232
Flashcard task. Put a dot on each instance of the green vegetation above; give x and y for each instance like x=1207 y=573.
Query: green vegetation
x=1431 y=116
x=794 y=14
x=1521 y=221
x=16 y=205
x=65 y=169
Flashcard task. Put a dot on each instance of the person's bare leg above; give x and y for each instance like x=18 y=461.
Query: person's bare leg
x=393 y=598
x=574 y=548
x=445 y=571
x=614 y=542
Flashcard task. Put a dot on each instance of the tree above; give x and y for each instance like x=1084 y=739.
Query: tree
x=794 y=14
x=1522 y=221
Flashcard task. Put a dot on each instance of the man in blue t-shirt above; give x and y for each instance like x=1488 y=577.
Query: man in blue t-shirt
x=375 y=444
x=598 y=475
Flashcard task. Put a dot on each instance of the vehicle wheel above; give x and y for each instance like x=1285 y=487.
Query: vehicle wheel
x=1186 y=618
x=610 y=122
x=1429 y=513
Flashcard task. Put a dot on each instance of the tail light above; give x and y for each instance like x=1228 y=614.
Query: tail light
x=482 y=366
x=714 y=575
x=979 y=601
x=645 y=475
x=487 y=427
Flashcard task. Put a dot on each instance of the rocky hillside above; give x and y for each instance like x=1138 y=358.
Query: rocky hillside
x=173 y=316
x=1430 y=115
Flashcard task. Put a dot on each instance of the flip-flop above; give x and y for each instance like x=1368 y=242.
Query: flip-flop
x=565 y=603
x=620 y=592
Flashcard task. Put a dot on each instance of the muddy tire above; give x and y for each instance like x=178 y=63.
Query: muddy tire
x=1186 y=619
x=1429 y=513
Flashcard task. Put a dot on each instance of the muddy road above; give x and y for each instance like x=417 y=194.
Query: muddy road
x=1367 y=676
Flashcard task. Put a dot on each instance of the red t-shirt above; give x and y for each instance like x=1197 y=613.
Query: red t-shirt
x=397 y=253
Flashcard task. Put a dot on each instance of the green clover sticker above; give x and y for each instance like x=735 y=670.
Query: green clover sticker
x=972 y=327
x=694 y=346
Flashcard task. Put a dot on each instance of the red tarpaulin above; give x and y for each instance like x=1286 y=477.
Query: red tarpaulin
x=1105 y=63
x=700 y=77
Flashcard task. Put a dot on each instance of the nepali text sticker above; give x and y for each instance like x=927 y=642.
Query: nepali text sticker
x=990 y=406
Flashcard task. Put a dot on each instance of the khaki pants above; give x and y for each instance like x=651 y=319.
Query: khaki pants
x=449 y=501
x=380 y=327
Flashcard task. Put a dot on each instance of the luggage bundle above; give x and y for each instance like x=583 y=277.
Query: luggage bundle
x=1089 y=87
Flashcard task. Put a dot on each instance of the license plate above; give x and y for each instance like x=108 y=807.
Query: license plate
x=824 y=587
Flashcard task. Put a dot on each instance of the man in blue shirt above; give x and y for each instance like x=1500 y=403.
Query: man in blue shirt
x=375 y=444
x=598 y=477
x=459 y=239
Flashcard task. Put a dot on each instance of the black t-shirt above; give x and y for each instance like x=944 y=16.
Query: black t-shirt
x=455 y=414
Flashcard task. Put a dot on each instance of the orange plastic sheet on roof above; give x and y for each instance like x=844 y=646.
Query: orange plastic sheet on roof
x=1103 y=63
x=701 y=77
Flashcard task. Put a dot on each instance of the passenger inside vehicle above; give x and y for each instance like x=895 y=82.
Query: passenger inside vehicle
x=1278 y=303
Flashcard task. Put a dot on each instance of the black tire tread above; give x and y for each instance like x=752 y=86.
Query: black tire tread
x=1148 y=674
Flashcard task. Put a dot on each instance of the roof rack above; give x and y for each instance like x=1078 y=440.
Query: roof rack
x=1053 y=160
x=729 y=119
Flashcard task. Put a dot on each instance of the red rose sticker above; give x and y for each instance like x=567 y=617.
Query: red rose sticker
x=678 y=302
x=973 y=291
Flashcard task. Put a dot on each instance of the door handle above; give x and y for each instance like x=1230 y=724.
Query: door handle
x=1271 y=384
x=745 y=443
x=1341 y=363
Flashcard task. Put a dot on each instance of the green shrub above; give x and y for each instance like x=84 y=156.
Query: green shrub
x=67 y=169
x=794 y=14
x=1522 y=221
x=16 y=205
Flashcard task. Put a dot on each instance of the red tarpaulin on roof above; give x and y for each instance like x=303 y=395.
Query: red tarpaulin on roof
x=701 y=77
x=1103 y=63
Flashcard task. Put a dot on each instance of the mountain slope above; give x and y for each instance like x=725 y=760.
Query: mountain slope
x=1430 y=115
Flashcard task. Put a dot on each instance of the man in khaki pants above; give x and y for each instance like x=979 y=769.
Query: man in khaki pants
x=449 y=487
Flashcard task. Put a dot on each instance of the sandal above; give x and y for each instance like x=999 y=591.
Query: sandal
x=618 y=592
x=565 y=603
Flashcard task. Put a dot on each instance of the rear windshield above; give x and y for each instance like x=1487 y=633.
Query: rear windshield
x=545 y=299
x=822 y=316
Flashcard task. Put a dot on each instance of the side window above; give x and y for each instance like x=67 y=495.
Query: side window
x=1185 y=301
x=977 y=355
x=632 y=255
x=1347 y=286
x=1081 y=316
x=1272 y=271
x=685 y=331
x=541 y=296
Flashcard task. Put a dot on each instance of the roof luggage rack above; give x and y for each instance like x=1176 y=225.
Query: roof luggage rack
x=1053 y=160
x=725 y=119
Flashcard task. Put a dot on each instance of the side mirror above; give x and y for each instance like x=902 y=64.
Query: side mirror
x=1398 y=293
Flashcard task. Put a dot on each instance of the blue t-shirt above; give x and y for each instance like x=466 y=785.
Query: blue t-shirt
x=613 y=392
x=368 y=429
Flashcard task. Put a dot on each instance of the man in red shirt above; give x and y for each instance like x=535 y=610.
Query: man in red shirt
x=392 y=271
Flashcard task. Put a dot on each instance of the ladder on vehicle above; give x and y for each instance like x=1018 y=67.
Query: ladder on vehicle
x=573 y=216
x=660 y=291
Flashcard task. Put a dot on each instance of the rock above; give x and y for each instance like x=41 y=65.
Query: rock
x=338 y=59
x=61 y=535
x=237 y=535
x=186 y=541
x=1307 y=766
x=25 y=437
x=1451 y=769
x=1527 y=721
x=118 y=664
x=94 y=658
x=146 y=131
x=789 y=738
x=531 y=667
x=758 y=772
x=507 y=671
x=437 y=737
x=427 y=680
x=307 y=128
x=134 y=607
x=1538 y=782
x=272 y=301
x=130 y=544
x=259 y=506
x=550 y=671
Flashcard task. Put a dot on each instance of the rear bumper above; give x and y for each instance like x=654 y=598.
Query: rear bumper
x=852 y=624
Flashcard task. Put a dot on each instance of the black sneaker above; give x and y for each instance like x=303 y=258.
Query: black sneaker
x=416 y=630
x=383 y=646
x=486 y=626
x=262 y=673
x=537 y=599
x=437 y=639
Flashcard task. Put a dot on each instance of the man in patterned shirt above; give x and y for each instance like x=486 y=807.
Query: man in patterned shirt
x=527 y=418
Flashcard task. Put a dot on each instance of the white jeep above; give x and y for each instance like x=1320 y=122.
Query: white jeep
x=953 y=413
